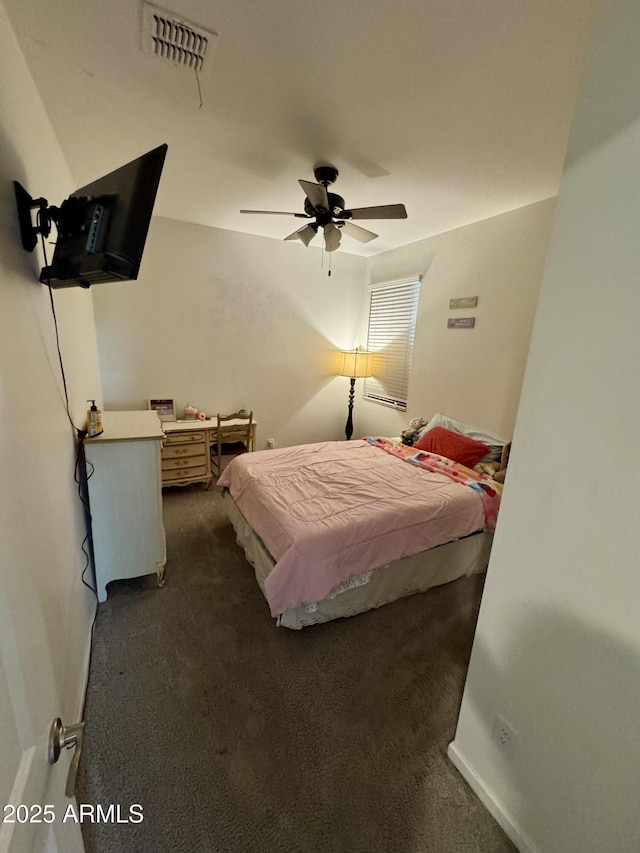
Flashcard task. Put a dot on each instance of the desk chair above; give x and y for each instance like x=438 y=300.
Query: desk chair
x=232 y=439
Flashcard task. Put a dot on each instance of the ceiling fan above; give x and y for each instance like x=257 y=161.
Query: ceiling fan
x=329 y=212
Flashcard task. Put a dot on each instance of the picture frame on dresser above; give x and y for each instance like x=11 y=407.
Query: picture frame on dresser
x=165 y=409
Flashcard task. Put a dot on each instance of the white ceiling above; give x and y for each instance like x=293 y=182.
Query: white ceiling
x=460 y=109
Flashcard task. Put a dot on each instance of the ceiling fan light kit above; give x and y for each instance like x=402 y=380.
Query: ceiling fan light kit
x=330 y=213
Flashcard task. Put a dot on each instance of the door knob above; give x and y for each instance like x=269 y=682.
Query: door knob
x=66 y=737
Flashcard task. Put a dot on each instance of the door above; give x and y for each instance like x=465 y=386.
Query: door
x=35 y=811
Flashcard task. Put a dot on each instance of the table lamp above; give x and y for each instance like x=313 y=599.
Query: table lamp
x=355 y=364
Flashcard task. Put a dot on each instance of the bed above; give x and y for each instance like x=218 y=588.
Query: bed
x=332 y=529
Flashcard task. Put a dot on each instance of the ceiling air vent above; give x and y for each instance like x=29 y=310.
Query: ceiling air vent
x=171 y=37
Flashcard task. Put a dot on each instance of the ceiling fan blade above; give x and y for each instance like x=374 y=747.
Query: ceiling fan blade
x=316 y=193
x=305 y=234
x=276 y=213
x=332 y=237
x=357 y=232
x=383 y=211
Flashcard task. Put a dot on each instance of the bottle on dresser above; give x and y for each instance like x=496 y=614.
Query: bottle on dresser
x=94 y=420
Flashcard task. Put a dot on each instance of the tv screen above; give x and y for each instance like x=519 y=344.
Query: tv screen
x=102 y=227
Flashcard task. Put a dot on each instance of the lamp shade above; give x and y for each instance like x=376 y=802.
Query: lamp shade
x=356 y=364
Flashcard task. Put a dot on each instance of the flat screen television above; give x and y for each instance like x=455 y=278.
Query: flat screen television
x=102 y=227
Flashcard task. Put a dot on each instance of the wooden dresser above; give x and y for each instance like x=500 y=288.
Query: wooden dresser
x=185 y=451
x=185 y=456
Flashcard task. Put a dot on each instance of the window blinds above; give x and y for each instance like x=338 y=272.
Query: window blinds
x=393 y=309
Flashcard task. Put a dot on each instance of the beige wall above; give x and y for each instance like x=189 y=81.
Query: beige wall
x=557 y=647
x=41 y=520
x=224 y=320
x=470 y=374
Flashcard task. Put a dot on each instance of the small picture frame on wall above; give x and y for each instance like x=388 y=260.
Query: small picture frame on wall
x=461 y=322
x=464 y=302
x=165 y=408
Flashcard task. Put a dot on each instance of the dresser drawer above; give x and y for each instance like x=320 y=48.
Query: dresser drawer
x=170 y=476
x=175 y=451
x=184 y=438
x=184 y=462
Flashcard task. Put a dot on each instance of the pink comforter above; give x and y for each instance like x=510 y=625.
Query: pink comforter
x=328 y=511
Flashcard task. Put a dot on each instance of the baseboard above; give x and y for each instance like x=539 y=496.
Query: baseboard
x=488 y=800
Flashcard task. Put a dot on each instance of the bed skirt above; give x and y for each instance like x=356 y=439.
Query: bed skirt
x=383 y=585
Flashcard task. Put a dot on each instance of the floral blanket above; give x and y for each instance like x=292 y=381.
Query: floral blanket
x=490 y=492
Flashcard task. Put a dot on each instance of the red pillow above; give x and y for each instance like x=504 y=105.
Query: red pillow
x=467 y=451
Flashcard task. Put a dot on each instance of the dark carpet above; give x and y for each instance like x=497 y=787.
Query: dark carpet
x=236 y=736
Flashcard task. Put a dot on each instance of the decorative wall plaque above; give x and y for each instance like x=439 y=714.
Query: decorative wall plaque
x=464 y=302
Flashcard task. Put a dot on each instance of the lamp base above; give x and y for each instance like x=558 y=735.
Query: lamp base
x=348 y=430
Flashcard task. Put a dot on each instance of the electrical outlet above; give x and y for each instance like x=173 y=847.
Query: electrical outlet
x=270 y=443
x=504 y=735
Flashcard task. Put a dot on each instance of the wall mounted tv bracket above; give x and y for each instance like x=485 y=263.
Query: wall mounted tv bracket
x=28 y=231
x=79 y=219
x=76 y=216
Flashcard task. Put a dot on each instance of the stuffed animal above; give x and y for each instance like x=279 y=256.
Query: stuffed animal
x=410 y=434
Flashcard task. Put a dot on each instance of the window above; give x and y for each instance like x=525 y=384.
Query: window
x=393 y=309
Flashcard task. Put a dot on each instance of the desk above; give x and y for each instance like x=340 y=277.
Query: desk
x=186 y=450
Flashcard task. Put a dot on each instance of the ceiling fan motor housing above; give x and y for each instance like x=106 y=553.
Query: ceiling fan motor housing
x=336 y=206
